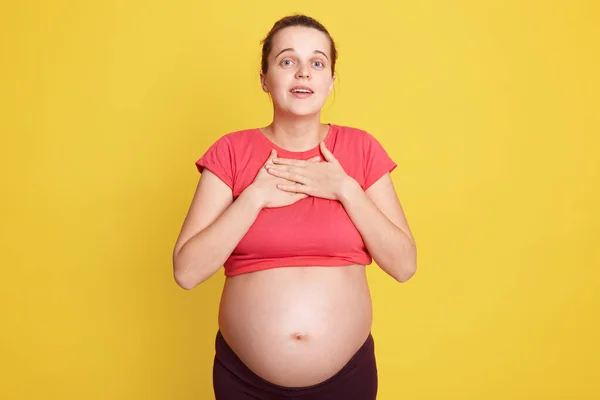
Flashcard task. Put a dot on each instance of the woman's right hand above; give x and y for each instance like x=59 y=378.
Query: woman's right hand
x=265 y=187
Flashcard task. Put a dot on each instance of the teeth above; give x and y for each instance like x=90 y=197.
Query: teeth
x=301 y=91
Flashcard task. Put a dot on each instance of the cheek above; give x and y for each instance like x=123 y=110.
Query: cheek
x=279 y=79
x=325 y=84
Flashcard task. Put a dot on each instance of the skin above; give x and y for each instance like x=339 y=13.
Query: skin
x=294 y=326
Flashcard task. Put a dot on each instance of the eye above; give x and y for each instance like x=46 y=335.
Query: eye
x=286 y=62
x=319 y=64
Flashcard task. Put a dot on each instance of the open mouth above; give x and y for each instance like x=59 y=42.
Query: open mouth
x=301 y=92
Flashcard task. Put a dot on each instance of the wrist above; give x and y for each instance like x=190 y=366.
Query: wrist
x=251 y=195
x=348 y=190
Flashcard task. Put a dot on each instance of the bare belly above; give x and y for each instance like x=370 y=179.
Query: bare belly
x=296 y=326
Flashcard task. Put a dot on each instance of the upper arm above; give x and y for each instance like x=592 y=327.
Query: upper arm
x=383 y=194
x=211 y=199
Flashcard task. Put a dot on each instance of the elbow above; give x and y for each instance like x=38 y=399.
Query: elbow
x=189 y=276
x=183 y=275
x=405 y=274
x=400 y=269
x=184 y=282
x=407 y=268
x=401 y=272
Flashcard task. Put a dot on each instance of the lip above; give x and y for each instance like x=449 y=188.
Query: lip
x=301 y=87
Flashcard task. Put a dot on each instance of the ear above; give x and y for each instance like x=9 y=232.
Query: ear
x=263 y=83
x=332 y=83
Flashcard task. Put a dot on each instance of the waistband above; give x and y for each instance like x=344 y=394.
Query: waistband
x=227 y=358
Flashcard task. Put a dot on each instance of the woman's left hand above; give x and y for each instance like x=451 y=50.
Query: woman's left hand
x=326 y=179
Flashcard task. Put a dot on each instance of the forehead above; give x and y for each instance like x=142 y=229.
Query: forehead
x=302 y=39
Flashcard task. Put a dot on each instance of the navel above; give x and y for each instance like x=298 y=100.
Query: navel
x=299 y=336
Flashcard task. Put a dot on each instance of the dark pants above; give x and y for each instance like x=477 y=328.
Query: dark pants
x=232 y=380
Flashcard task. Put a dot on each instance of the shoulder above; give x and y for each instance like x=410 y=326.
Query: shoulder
x=241 y=134
x=360 y=141
x=355 y=137
x=236 y=138
x=350 y=131
x=229 y=144
x=354 y=132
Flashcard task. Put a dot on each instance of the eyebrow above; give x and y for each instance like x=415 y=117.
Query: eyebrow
x=290 y=49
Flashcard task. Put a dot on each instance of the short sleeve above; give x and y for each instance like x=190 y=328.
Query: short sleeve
x=218 y=159
x=377 y=161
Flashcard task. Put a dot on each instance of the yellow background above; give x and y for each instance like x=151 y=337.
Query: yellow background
x=489 y=108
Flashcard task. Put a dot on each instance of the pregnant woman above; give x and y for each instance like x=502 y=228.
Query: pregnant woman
x=294 y=211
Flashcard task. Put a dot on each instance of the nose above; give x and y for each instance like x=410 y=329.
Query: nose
x=303 y=71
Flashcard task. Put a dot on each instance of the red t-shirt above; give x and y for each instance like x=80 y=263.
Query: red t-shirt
x=312 y=231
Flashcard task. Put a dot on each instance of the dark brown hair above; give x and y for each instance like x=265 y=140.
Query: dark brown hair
x=295 y=20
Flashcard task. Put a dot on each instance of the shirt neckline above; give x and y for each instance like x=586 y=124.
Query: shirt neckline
x=281 y=150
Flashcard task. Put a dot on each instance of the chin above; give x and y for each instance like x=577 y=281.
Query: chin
x=303 y=111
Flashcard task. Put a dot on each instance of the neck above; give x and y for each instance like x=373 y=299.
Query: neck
x=295 y=133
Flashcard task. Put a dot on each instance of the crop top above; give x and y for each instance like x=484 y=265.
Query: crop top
x=313 y=231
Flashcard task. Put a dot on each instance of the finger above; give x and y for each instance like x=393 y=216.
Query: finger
x=290 y=176
x=288 y=168
x=294 y=188
x=326 y=153
x=287 y=161
x=314 y=159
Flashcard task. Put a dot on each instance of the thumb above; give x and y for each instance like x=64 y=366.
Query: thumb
x=272 y=155
x=314 y=159
x=269 y=162
x=326 y=153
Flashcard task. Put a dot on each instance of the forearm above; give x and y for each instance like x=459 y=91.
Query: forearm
x=392 y=249
x=207 y=251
